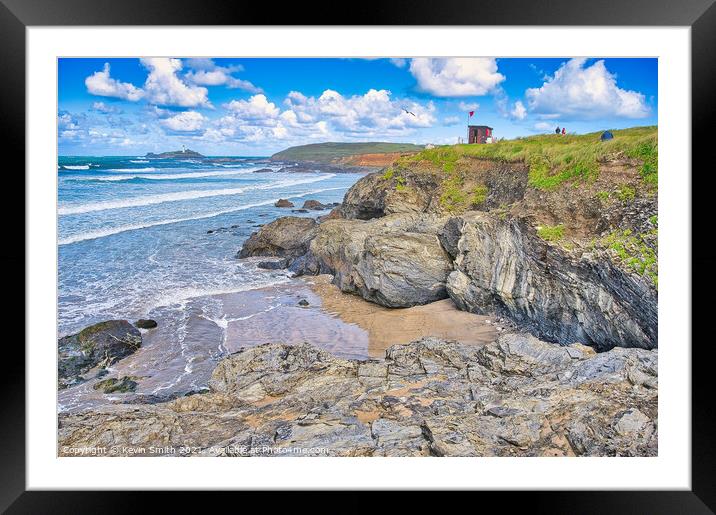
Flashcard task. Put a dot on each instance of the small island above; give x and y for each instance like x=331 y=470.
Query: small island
x=174 y=154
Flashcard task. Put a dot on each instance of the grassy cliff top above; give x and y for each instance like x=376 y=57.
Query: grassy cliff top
x=327 y=152
x=554 y=159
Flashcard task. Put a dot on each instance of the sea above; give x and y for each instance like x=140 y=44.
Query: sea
x=138 y=234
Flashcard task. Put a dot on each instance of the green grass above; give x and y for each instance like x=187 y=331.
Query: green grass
x=327 y=152
x=551 y=232
x=626 y=193
x=453 y=198
x=479 y=195
x=648 y=153
x=554 y=160
x=633 y=251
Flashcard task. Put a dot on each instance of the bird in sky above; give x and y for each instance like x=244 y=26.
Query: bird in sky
x=404 y=109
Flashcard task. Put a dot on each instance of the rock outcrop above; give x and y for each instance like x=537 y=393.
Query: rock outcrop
x=314 y=204
x=375 y=196
x=286 y=237
x=402 y=189
x=518 y=396
x=503 y=266
x=399 y=233
x=282 y=202
x=144 y=323
x=97 y=345
x=396 y=261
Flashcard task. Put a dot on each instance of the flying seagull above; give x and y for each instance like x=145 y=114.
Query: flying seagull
x=404 y=109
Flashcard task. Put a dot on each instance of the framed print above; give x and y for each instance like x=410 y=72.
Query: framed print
x=432 y=250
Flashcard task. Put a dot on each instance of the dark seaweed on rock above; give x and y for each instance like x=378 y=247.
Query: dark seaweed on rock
x=97 y=345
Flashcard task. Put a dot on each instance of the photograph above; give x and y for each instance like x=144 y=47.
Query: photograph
x=357 y=257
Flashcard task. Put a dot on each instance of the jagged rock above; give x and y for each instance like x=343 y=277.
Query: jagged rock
x=114 y=385
x=518 y=396
x=375 y=196
x=286 y=237
x=395 y=261
x=282 y=202
x=404 y=189
x=263 y=170
x=502 y=266
x=276 y=264
x=314 y=204
x=98 y=344
x=335 y=214
x=145 y=323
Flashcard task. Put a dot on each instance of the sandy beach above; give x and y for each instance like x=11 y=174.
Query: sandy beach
x=179 y=355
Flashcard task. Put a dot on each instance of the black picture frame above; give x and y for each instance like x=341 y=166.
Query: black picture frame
x=700 y=15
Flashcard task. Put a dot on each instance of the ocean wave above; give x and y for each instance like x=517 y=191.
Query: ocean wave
x=138 y=160
x=76 y=167
x=121 y=170
x=182 y=295
x=178 y=196
x=101 y=233
x=164 y=177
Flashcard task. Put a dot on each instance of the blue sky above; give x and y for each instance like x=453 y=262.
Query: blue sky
x=260 y=106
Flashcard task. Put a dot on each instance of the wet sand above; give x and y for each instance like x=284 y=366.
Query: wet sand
x=384 y=327
x=193 y=336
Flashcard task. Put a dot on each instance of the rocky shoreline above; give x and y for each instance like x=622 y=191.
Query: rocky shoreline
x=518 y=396
x=398 y=247
x=584 y=382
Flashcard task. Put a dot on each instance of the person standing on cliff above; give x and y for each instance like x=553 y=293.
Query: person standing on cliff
x=564 y=131
x=556 y=131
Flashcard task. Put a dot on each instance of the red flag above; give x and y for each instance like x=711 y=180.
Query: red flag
x=472 y=112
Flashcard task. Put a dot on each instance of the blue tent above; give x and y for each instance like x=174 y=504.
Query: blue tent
x=606 y=135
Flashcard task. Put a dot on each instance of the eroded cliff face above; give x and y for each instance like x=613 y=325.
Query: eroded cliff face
x=575 y=264
x=518 y=396
x=563 y=296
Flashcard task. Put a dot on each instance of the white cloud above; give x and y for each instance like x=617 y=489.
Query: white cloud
x=100 y=83
x=468 y=106
x=456 y=76
x=187 y=121
x=450 y=121
x=66 y=121
x=257 y=109
x=373 y=113
x=519 y=111
x=331 y=115
x=585 y=92
x=206 y=73
x=164 y=87
x=101 y=107
x=399 y=62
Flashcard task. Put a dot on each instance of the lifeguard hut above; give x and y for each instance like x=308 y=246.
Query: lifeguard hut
x=478 y=133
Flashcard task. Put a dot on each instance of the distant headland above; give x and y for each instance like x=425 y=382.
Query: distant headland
x=347 y=153
x=174 y=154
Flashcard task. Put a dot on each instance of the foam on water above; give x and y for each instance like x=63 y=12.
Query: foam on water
x=124 y=170
x=164 y=177
x=124 y=228
x=149 y=200
x=130 y=244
